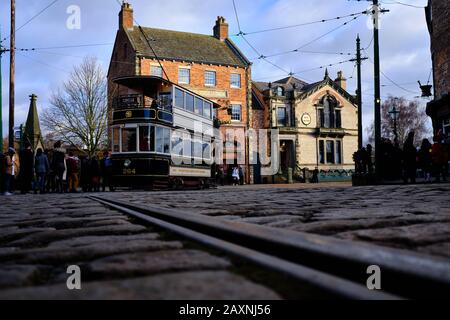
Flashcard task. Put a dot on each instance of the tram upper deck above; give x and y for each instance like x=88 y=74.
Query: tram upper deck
x=150 y=99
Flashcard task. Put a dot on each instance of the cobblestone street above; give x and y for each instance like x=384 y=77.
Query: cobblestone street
x=40 y=239
x=413 y=217
x=40 y=236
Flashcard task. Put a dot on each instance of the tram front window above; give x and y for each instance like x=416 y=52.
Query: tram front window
x=162 y=140
x=129 y=140
x=146 y=138
x=165 y=101
x=116 y=140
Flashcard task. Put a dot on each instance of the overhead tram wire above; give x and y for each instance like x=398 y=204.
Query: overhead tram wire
x=298 y=50
x=404 y=4
x=251 y=46
x=34 y=17
x=149 y=44
x=390 y=80
x=297 y=25
x=66 y=47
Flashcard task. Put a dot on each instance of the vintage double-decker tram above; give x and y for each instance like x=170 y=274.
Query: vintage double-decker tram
x=162 y=135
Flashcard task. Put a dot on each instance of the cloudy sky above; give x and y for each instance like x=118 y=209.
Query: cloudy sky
x=404 y=41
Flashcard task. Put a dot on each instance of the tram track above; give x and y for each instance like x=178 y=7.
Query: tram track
x=336 y=267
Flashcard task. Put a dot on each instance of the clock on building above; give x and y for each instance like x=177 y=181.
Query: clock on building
x=306 y=119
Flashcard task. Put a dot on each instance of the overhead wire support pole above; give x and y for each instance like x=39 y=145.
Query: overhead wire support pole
x=12 y=65
x=377 y=85
x=358 y=61
x=2 y=50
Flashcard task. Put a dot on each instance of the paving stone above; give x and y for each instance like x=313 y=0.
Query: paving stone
x=87 y=252
x=85 y=241
x=203 y=285
x=138 y=264
x=19 y=275
x=19 y=233
x=440 y=249
x=409 y=236
x=44 y=237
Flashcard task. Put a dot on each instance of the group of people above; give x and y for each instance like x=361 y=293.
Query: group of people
x=53 y=171
x=236 y=176
x=404 y=163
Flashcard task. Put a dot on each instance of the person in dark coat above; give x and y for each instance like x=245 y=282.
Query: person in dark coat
x=2 y=168
x=241 y=176
x=26 y=169
x=59 y=166
x=95 y=174
x=409 y=159
x=41 y=167
x=84 y=174
x=107 y=171
x=425 y=160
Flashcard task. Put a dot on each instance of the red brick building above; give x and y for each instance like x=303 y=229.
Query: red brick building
x=438 y=18
x=209 y=65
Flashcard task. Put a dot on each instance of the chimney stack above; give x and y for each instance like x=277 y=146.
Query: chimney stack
x=221 y=29
x=341 y=81
x=126 y=19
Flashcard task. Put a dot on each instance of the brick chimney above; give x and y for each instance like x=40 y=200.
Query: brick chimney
x=341 y=81
x=126 y=20
x=221 y=29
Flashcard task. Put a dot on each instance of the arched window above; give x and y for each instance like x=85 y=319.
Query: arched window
x=330 y=116
x=280 y=91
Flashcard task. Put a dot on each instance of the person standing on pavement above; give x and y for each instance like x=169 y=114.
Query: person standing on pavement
x=439 y=156
x=72 y=172
x=11 y=169
x=94 y=170
x=58 y=166
x=235 y=176
x=409 y=159
x=26 y=165
x=241 y=176
x=42 y=167
x=425 y=161
x=106 y=169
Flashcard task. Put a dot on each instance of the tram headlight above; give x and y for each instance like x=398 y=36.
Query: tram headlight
x=127 y=163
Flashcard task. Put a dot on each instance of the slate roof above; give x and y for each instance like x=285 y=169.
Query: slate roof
x=185 y=46
x=286 y=83
x=302 y=87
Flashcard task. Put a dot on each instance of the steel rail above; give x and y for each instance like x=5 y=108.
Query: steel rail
x=332 y=284
x=334 y=265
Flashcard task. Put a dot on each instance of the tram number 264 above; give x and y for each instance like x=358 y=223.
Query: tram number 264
x=129 y=171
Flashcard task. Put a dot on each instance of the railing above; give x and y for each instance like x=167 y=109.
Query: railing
x=136 y=101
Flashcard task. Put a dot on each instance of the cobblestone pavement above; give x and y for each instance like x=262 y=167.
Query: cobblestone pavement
x=40 y=236
x=413 y=217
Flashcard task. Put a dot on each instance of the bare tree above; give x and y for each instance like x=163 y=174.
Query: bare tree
x=78 y=112
x=411 y=117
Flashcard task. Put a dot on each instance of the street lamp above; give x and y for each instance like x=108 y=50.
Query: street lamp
x=394 y=112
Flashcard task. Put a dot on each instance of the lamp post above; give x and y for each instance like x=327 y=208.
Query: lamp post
x=394 y=112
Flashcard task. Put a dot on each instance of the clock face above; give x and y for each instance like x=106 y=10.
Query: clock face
x=306 y=119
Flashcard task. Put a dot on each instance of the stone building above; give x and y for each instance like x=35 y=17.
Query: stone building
x=438 y=18
x=209 y=65
x=317 y=123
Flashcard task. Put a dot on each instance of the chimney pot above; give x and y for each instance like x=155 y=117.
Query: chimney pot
x=126 y=16
x=341 y=81
x=221 y=29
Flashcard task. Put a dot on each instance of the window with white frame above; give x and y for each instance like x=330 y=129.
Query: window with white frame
x=162 y=140
x=235 y=80
x=330 y=152
x=236 y=112
x=179 y=98
x=184 y=75
x=156 y=71
x=210 y=78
